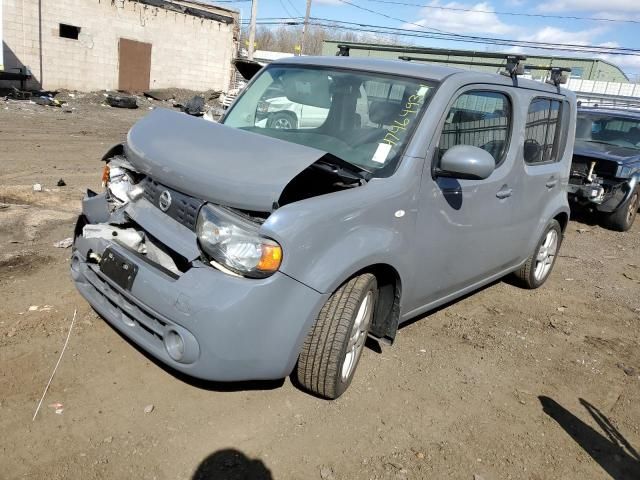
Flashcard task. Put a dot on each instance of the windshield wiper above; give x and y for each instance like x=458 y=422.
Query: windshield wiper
x=344 y=170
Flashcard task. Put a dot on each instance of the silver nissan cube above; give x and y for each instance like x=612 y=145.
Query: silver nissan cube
x=336 y=199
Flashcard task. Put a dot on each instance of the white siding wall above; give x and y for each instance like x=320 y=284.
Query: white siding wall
x=187 y=52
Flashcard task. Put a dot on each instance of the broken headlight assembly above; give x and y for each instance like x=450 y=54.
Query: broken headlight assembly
x=233 y=244
x=120 y=178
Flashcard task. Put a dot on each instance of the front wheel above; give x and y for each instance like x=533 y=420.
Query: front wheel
x=538 y=266
x=332 y=349
x=622 y=219
x=283 y=120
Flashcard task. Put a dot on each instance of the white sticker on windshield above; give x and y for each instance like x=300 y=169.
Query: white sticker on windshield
x=382 y=152
x=422 y=91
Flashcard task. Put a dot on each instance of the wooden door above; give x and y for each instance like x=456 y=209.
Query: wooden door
x=135 y=65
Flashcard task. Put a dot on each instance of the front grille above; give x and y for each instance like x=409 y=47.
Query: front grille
x=132 y=315
x=183 y=209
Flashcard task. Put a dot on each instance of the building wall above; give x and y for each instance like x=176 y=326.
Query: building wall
x=187 y=51
x=586 y=68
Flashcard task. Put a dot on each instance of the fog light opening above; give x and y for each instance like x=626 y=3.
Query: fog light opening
x=174 y=344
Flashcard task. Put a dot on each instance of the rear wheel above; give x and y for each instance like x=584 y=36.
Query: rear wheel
x=539 y=265
x=332 y=349
x=622 y=219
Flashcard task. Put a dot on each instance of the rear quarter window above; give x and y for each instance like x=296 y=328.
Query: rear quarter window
x=543 y=131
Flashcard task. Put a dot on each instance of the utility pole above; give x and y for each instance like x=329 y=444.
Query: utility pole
x=305 y=27
x=252 y=28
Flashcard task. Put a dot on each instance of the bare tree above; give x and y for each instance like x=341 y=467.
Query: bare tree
x=287 y=39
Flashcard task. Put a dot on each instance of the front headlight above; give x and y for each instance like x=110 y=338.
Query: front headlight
x=235 y=244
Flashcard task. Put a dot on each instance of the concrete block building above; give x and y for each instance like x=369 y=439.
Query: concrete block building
x=130 y=45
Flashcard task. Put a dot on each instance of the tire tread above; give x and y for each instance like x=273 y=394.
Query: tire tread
x=319 y=364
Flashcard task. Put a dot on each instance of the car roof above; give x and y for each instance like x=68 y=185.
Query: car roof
x=420 y=70
x=618 y=112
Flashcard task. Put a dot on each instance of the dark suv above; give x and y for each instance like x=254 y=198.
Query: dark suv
x=605 y=172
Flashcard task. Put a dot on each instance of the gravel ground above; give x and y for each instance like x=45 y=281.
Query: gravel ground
x=505 y=383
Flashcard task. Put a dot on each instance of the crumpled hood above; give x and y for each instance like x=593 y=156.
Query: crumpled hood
x=214 y=162
x=602 y=151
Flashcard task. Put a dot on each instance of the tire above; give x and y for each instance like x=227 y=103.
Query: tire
x=534 y=272
x=284 y=120
x=622 y=219
x=333 y=347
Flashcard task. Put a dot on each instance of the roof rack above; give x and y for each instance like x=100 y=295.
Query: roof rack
x=512 y=67
x=556 y=76
x=513 y=63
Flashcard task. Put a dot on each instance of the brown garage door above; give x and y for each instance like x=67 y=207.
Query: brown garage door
x=135 y=65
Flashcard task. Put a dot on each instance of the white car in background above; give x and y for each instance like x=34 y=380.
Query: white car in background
x=280 y=112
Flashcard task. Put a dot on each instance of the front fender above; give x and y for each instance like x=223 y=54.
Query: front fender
x=626 y=190
x=326 y=239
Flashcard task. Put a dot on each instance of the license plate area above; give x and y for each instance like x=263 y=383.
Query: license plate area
x=118 y=269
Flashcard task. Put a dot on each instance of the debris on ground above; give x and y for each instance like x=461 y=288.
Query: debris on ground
x=149 y=408
x=65 y=243
x=630 y=371
x=58 y=407
x=37 y=187
x=160 y=95
x=121 y=101
x=61 y=183
x=582 y=230
x=33 y=308
x=46 y=101
x=195 y=106
x=326 y=473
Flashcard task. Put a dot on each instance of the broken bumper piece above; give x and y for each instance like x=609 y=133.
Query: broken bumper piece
x=199 y=321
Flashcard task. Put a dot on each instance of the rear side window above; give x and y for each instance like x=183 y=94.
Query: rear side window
x=542 y=132
x=480 y=119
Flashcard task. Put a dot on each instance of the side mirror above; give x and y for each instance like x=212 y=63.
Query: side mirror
x=466 y=162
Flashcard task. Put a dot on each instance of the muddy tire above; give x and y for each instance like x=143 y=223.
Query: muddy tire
x=283 y=120
x=622 y=219
x=332 y=349
x=539 y=265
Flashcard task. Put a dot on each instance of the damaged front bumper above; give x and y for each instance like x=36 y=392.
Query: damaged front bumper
x=196 y=319
x=601 y=197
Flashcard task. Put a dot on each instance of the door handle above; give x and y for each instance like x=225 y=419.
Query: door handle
x=504 y=193
x=552 y=182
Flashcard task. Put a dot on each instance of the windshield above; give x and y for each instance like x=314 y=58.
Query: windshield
x=608 y=129
x=364 y=119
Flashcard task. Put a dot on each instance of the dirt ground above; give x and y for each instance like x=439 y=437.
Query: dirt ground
x=503 y=384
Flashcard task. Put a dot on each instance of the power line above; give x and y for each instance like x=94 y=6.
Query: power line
x=346 y=2
x=491 y=39
x=285 y=9
x=477 y=39
x=367 y=28
x=295 y=9
x=515 y=14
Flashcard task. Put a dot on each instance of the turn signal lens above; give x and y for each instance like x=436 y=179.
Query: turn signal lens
x=270 y=259
x=105 y=175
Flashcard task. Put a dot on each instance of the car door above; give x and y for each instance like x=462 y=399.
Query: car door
x=464 y=227
x=541 y=172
